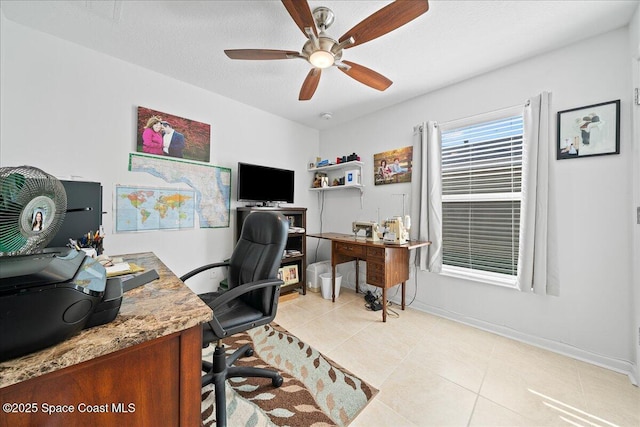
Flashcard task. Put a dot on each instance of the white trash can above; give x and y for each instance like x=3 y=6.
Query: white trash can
x=326 y=285
x=313 y=274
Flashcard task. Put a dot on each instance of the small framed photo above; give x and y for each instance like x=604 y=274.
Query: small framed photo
x=288 y=274
x=593 y=130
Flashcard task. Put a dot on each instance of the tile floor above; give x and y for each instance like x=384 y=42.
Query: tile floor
x=431 y=371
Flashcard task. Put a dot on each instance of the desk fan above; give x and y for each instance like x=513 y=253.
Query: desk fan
x=26 y=194
x=46 y=295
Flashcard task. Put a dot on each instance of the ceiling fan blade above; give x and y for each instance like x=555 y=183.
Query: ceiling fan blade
x=310 y=84
x=301 y=14
x=385 y=20
x=260 y=54
x=366 y=76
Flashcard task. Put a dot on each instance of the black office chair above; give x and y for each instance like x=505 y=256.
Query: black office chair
x=250 y=301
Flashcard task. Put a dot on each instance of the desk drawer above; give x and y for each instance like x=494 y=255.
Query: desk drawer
x=349 y=249
x=377 y=253
x=375 y=273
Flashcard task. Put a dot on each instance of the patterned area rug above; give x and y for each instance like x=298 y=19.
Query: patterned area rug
x=316 y=391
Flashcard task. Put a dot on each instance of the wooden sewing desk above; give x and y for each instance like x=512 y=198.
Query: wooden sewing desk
x=387 y=263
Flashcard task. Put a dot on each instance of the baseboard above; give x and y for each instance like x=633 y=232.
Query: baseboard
x=635 y=376
x=620 y=366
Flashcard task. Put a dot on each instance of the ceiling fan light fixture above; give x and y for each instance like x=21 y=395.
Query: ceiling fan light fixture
x=321 y=59
x=321 y=51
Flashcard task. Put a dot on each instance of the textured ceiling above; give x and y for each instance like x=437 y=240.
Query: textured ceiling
x=453 y=41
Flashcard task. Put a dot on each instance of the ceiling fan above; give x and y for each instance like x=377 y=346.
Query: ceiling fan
x=322 y=51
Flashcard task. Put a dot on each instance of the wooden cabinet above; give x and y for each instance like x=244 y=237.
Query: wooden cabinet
x=376 y=258
x=386 y=265
x=151 y=384
x=296 y=248
x=142 y=369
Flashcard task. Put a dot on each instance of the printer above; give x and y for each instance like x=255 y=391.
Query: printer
x=46 y=298
x=46 y=294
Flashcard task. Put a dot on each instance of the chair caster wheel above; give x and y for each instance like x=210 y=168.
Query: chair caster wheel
x=277 y=382
x=248 y=353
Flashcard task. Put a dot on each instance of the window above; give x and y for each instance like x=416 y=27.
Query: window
x=481 y=196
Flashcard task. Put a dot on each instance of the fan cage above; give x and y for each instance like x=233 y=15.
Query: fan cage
x=26 y=192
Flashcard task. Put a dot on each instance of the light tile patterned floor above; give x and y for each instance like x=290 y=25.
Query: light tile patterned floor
x=435 y=372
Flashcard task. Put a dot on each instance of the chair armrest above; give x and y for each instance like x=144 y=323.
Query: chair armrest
x=198 y=270
x=234 y=293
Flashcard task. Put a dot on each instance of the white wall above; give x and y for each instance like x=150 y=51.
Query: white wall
x=592 y=317
x=634 y=53
x=72 y=111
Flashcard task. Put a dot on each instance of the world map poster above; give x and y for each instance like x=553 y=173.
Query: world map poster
x=146 y=209
x=211 y=187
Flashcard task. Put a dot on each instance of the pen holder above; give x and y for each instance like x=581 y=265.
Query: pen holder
x=85 y=242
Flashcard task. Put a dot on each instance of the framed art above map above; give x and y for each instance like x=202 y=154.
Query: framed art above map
x=165 y=134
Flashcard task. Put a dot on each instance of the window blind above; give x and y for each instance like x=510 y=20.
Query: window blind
x=481 y=194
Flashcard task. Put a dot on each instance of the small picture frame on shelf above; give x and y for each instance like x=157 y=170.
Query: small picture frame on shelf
x=289 y=274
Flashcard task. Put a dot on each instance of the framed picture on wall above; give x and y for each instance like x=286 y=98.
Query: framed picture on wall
x=168 y=135
x=593 y=130
x=393 y=166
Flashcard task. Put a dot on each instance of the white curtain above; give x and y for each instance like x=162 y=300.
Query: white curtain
x=537 y=262
x=426 y=212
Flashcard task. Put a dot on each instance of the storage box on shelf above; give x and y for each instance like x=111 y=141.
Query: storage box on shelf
x=294 y=260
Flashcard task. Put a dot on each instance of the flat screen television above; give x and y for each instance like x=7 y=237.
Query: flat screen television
x=264 y=184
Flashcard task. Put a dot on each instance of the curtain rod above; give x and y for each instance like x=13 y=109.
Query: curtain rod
x=526 y=104
x=419 y=128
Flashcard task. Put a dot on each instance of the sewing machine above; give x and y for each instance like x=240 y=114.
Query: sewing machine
x=371 y=229
x=397 y=231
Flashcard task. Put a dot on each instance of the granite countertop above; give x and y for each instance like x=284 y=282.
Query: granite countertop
x=157 y=309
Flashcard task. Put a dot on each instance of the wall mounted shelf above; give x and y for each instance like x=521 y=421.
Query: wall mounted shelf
x=336 y=170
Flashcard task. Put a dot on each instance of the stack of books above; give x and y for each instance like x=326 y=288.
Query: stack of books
x=292 y=252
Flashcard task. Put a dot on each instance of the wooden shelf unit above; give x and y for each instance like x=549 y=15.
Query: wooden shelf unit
x=296 y=241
